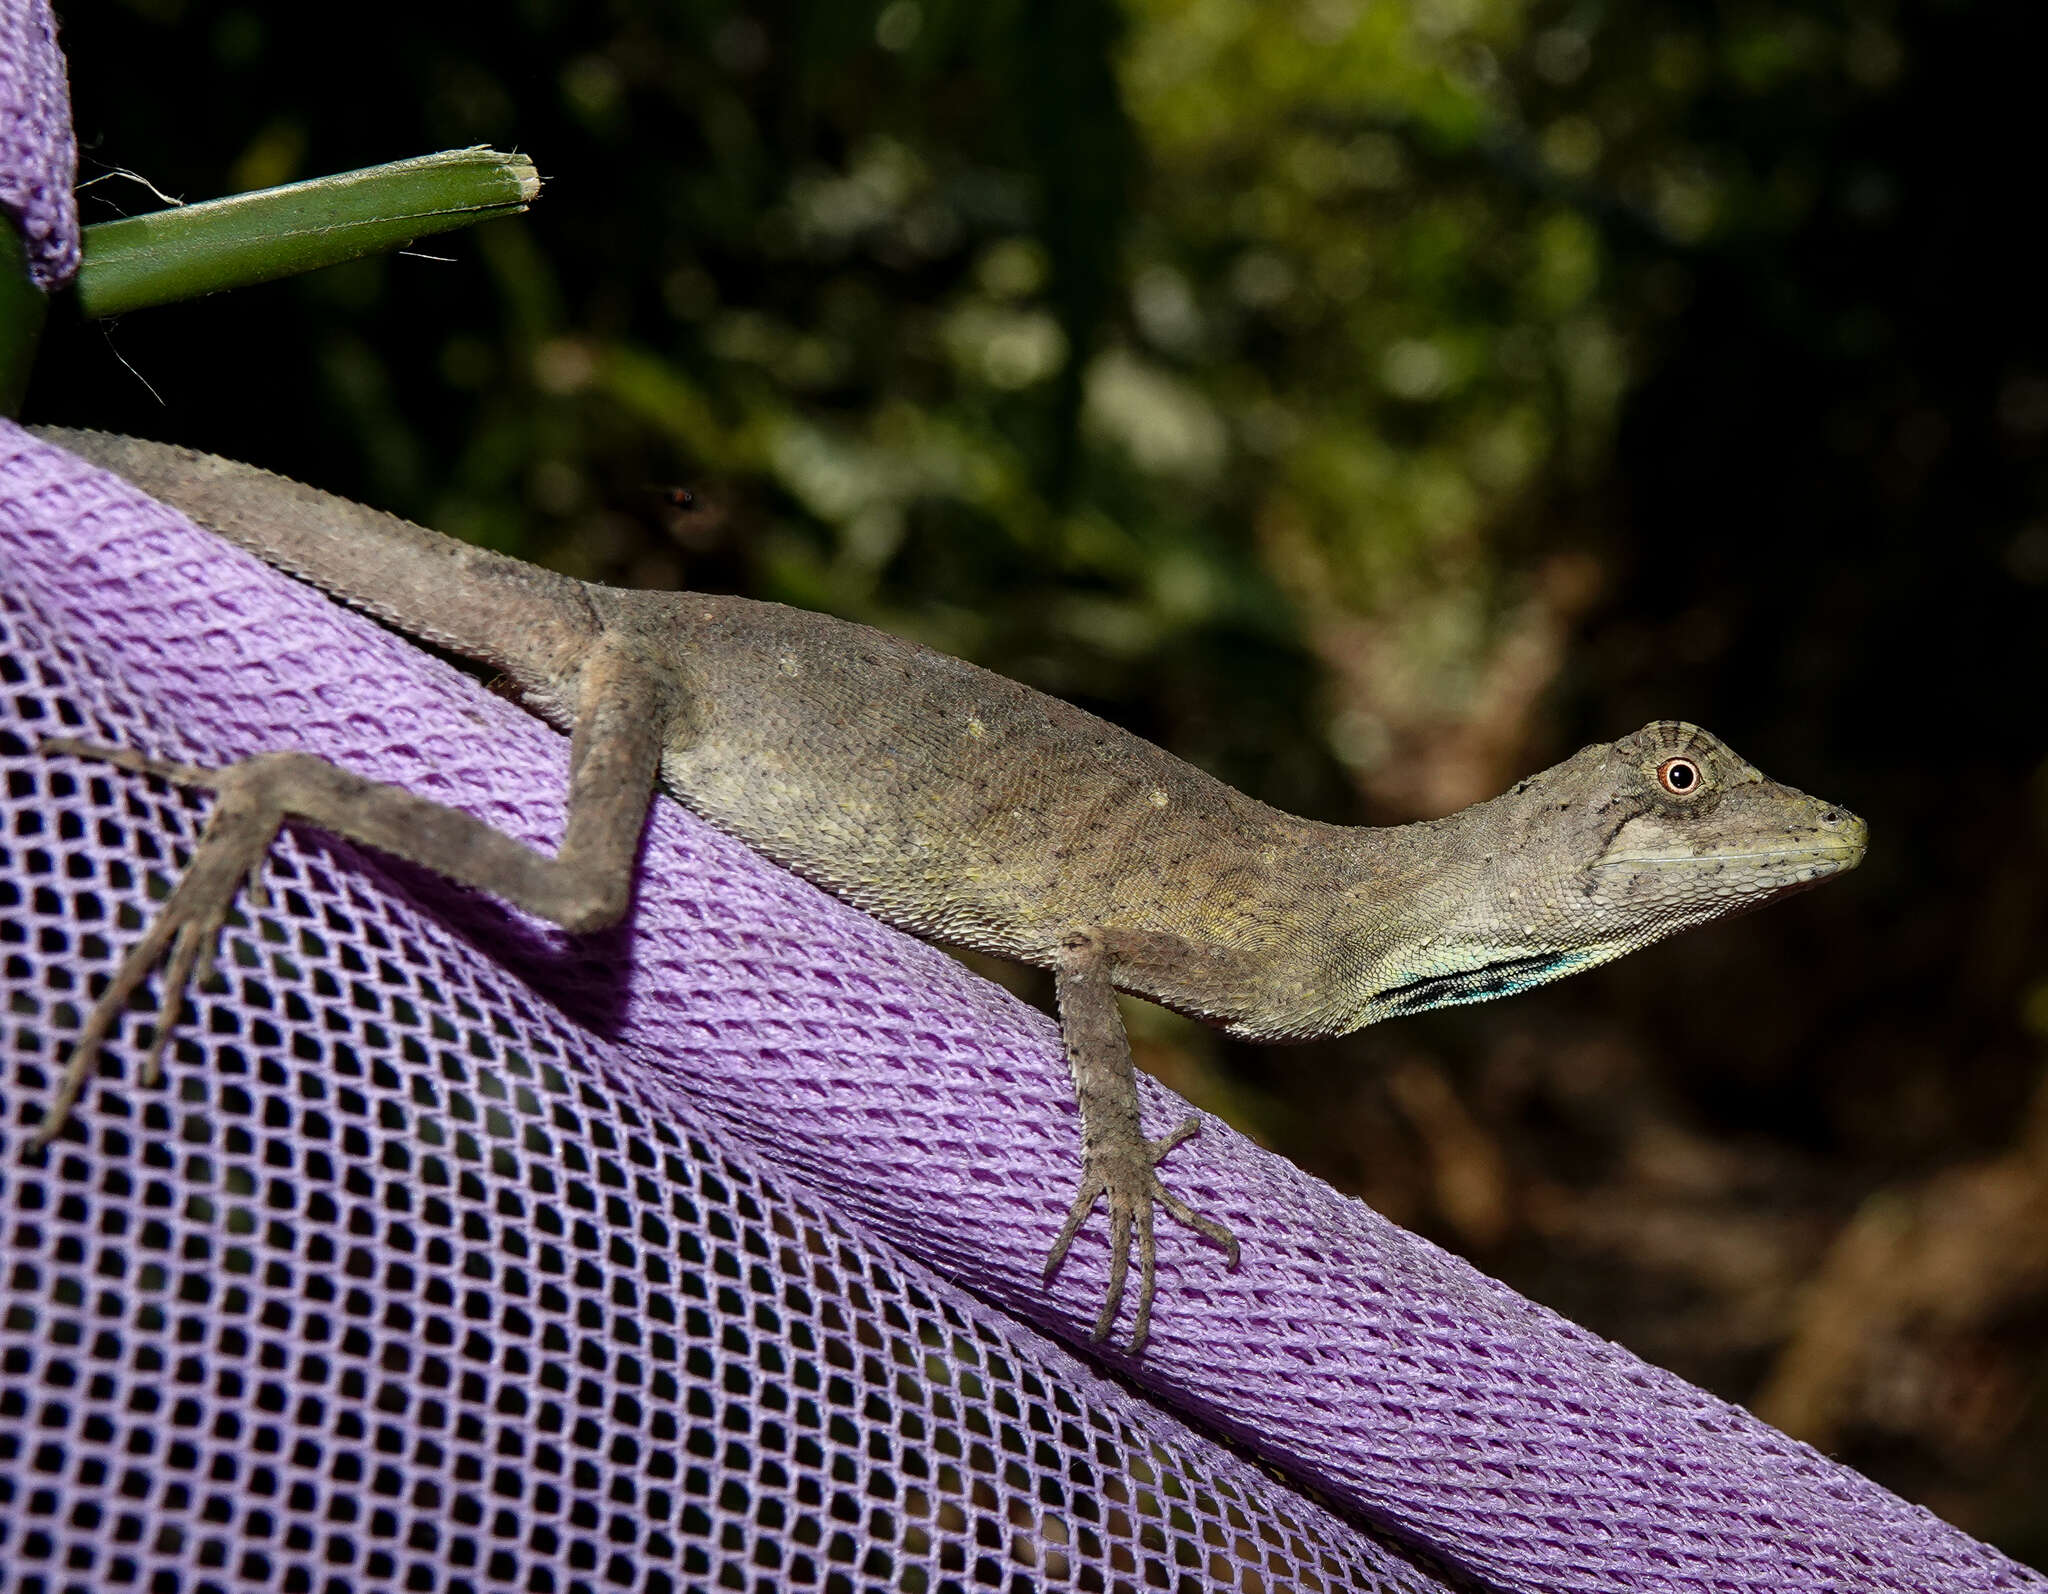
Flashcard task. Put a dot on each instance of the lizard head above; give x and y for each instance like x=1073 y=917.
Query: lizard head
x=1618 y=846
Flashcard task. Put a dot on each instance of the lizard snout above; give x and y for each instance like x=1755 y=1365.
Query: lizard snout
x=1848 y=832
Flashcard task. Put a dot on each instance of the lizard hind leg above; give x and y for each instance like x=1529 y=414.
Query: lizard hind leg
x=1118 y=1161
x=231 y=850
x=622 y=713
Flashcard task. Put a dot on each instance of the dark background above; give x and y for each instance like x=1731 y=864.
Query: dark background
x=1370 y=402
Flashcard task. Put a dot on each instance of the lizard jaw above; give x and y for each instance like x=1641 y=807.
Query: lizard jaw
x=1792 y=864
x=1830 y=842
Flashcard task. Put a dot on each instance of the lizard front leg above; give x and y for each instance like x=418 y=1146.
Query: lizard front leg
x=1117 y=1160
x=624 y=712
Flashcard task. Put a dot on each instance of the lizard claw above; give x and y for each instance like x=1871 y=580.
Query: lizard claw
x=1128 y=1175
x=231 y=848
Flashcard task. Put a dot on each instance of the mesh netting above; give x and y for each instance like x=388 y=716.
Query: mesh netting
x=38 y=155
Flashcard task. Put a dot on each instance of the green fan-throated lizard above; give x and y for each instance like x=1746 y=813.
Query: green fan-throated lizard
x=967 y=809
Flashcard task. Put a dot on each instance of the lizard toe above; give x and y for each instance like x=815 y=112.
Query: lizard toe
x=1128 y=1176
x=231 y=848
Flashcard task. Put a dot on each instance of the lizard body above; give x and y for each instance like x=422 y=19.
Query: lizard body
x=969 y=809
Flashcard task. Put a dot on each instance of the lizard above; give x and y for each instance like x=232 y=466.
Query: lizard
x=965 y=808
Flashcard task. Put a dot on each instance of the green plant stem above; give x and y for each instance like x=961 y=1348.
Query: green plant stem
x=191 y=250
x=21 y=318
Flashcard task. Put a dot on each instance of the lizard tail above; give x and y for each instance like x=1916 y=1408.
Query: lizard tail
x=483 y=605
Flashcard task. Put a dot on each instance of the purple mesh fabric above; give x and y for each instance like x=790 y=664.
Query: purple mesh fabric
x=405 y=1279
x=380 y=1019
x=38 y=155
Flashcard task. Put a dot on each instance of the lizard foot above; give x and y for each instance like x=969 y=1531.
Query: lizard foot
x=231 y=850
x=1127 y=1174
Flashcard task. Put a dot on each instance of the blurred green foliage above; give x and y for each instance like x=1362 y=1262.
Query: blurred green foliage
x=1368 y=400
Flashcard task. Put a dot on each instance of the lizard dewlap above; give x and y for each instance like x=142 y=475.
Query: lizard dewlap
x=969 y=809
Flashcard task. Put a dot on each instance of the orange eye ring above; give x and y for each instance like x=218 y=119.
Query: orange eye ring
x=1680 y=776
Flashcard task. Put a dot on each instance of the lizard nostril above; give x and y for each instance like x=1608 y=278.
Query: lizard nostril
x=1831 y=818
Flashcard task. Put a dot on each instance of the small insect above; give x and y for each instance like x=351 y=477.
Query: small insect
x=690 y=516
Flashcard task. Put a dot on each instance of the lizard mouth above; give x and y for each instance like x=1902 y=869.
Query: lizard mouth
x=1837 y=857
x=1822 y=855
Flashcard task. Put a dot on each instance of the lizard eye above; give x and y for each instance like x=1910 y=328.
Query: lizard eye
x=1680 y=776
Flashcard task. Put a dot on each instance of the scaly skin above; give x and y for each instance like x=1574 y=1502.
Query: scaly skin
x=972 y=810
